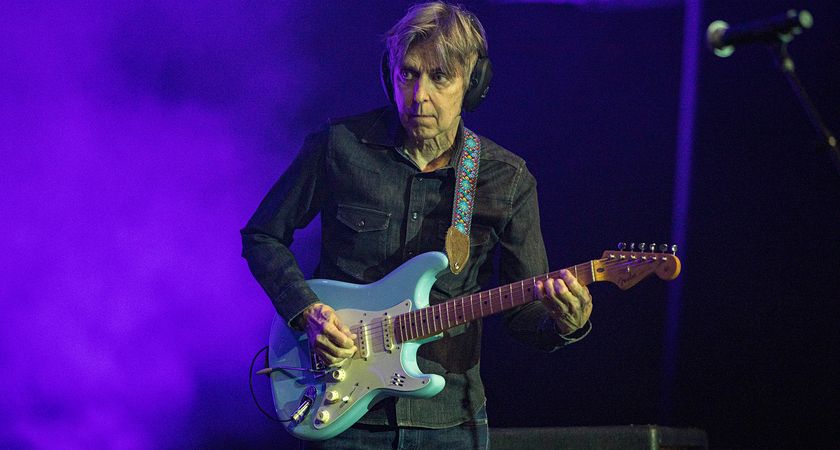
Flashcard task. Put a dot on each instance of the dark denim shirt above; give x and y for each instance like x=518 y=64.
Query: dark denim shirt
x=378 y=210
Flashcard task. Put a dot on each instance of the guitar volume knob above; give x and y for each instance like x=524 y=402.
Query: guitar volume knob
x=339 y=374
x=331 y=396
x=323 y=416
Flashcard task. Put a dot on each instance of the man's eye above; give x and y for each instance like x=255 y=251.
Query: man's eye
x=406 y=74
x=439 y=77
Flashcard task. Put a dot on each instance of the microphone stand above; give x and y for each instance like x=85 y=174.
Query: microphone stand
x=827 y=140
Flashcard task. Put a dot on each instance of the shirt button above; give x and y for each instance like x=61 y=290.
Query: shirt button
x=414 y=216
x=360 y=224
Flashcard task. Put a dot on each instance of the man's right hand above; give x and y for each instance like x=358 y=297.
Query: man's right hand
x=331 y=339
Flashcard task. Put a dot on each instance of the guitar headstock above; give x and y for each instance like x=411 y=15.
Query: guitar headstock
x=625 y=268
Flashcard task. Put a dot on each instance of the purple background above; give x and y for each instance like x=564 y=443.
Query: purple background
x=137 y=139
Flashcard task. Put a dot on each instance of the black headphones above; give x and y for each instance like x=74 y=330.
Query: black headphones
x=476 y=91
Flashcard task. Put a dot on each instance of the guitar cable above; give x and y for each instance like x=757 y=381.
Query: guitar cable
x=251 y=385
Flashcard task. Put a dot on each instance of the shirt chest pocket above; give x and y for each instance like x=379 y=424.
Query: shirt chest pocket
x=361 y=240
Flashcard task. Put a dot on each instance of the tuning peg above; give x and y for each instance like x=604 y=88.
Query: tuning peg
x=652 y=247
x=674 y=249
x=663 y=248
x=642 y=247
x=622 y=246
x=632 y=246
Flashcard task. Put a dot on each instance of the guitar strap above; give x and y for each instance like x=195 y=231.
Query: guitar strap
x=458 y=234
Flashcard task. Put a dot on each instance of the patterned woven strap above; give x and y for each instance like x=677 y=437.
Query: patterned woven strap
x=457 y=238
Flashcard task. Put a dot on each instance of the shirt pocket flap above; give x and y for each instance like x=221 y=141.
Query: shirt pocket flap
x=362 y=219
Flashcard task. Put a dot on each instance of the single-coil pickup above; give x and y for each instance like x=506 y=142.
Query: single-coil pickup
x=398 y=379
x=363 y=340
x=388 y=333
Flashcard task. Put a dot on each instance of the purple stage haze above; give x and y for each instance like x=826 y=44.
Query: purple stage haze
x=134 y=145
x=137 y=138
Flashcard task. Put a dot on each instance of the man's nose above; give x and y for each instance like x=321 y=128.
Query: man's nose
x=421 y=89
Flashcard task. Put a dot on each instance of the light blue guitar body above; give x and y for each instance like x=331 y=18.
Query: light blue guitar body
x=321 y=402
x=384 y=367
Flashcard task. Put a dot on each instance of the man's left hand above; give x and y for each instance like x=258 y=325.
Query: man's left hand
x=568 y=301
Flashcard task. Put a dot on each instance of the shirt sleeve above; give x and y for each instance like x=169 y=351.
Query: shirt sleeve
x=291 y=204
x=523 y=256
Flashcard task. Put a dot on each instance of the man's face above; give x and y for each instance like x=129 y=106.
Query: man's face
x=428 y=100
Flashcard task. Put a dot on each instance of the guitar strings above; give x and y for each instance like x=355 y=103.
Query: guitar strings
x=418 y=321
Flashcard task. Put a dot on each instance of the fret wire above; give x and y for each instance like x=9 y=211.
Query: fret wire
x=419 y=315
x=439 y=319
x=448 y=324
x=464 y=302
x=434 y=319
x=425 y=314
x=410 y=325
x=429 y=323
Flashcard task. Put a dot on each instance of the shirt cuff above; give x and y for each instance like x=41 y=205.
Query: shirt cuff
x=576 y=335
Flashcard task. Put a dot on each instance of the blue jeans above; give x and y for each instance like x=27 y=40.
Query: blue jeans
x=473 y=434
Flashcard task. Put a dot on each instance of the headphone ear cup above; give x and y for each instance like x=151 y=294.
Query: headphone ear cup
x=385 y=77
x=479 y=85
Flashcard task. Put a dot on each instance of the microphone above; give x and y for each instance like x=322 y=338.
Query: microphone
x=723 y=38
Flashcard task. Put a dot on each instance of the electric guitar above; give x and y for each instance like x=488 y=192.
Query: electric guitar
x=392 y=319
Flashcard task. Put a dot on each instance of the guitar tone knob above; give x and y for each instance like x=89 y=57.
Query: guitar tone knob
x=339 y=374
x=331 y=396
x=323 y=416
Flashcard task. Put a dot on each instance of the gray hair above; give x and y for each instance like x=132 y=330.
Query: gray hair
x=456 y=34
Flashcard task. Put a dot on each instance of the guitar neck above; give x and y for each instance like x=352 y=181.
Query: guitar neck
x=435 y=319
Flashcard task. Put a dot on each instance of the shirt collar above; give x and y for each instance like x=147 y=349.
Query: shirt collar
x=386 y=130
